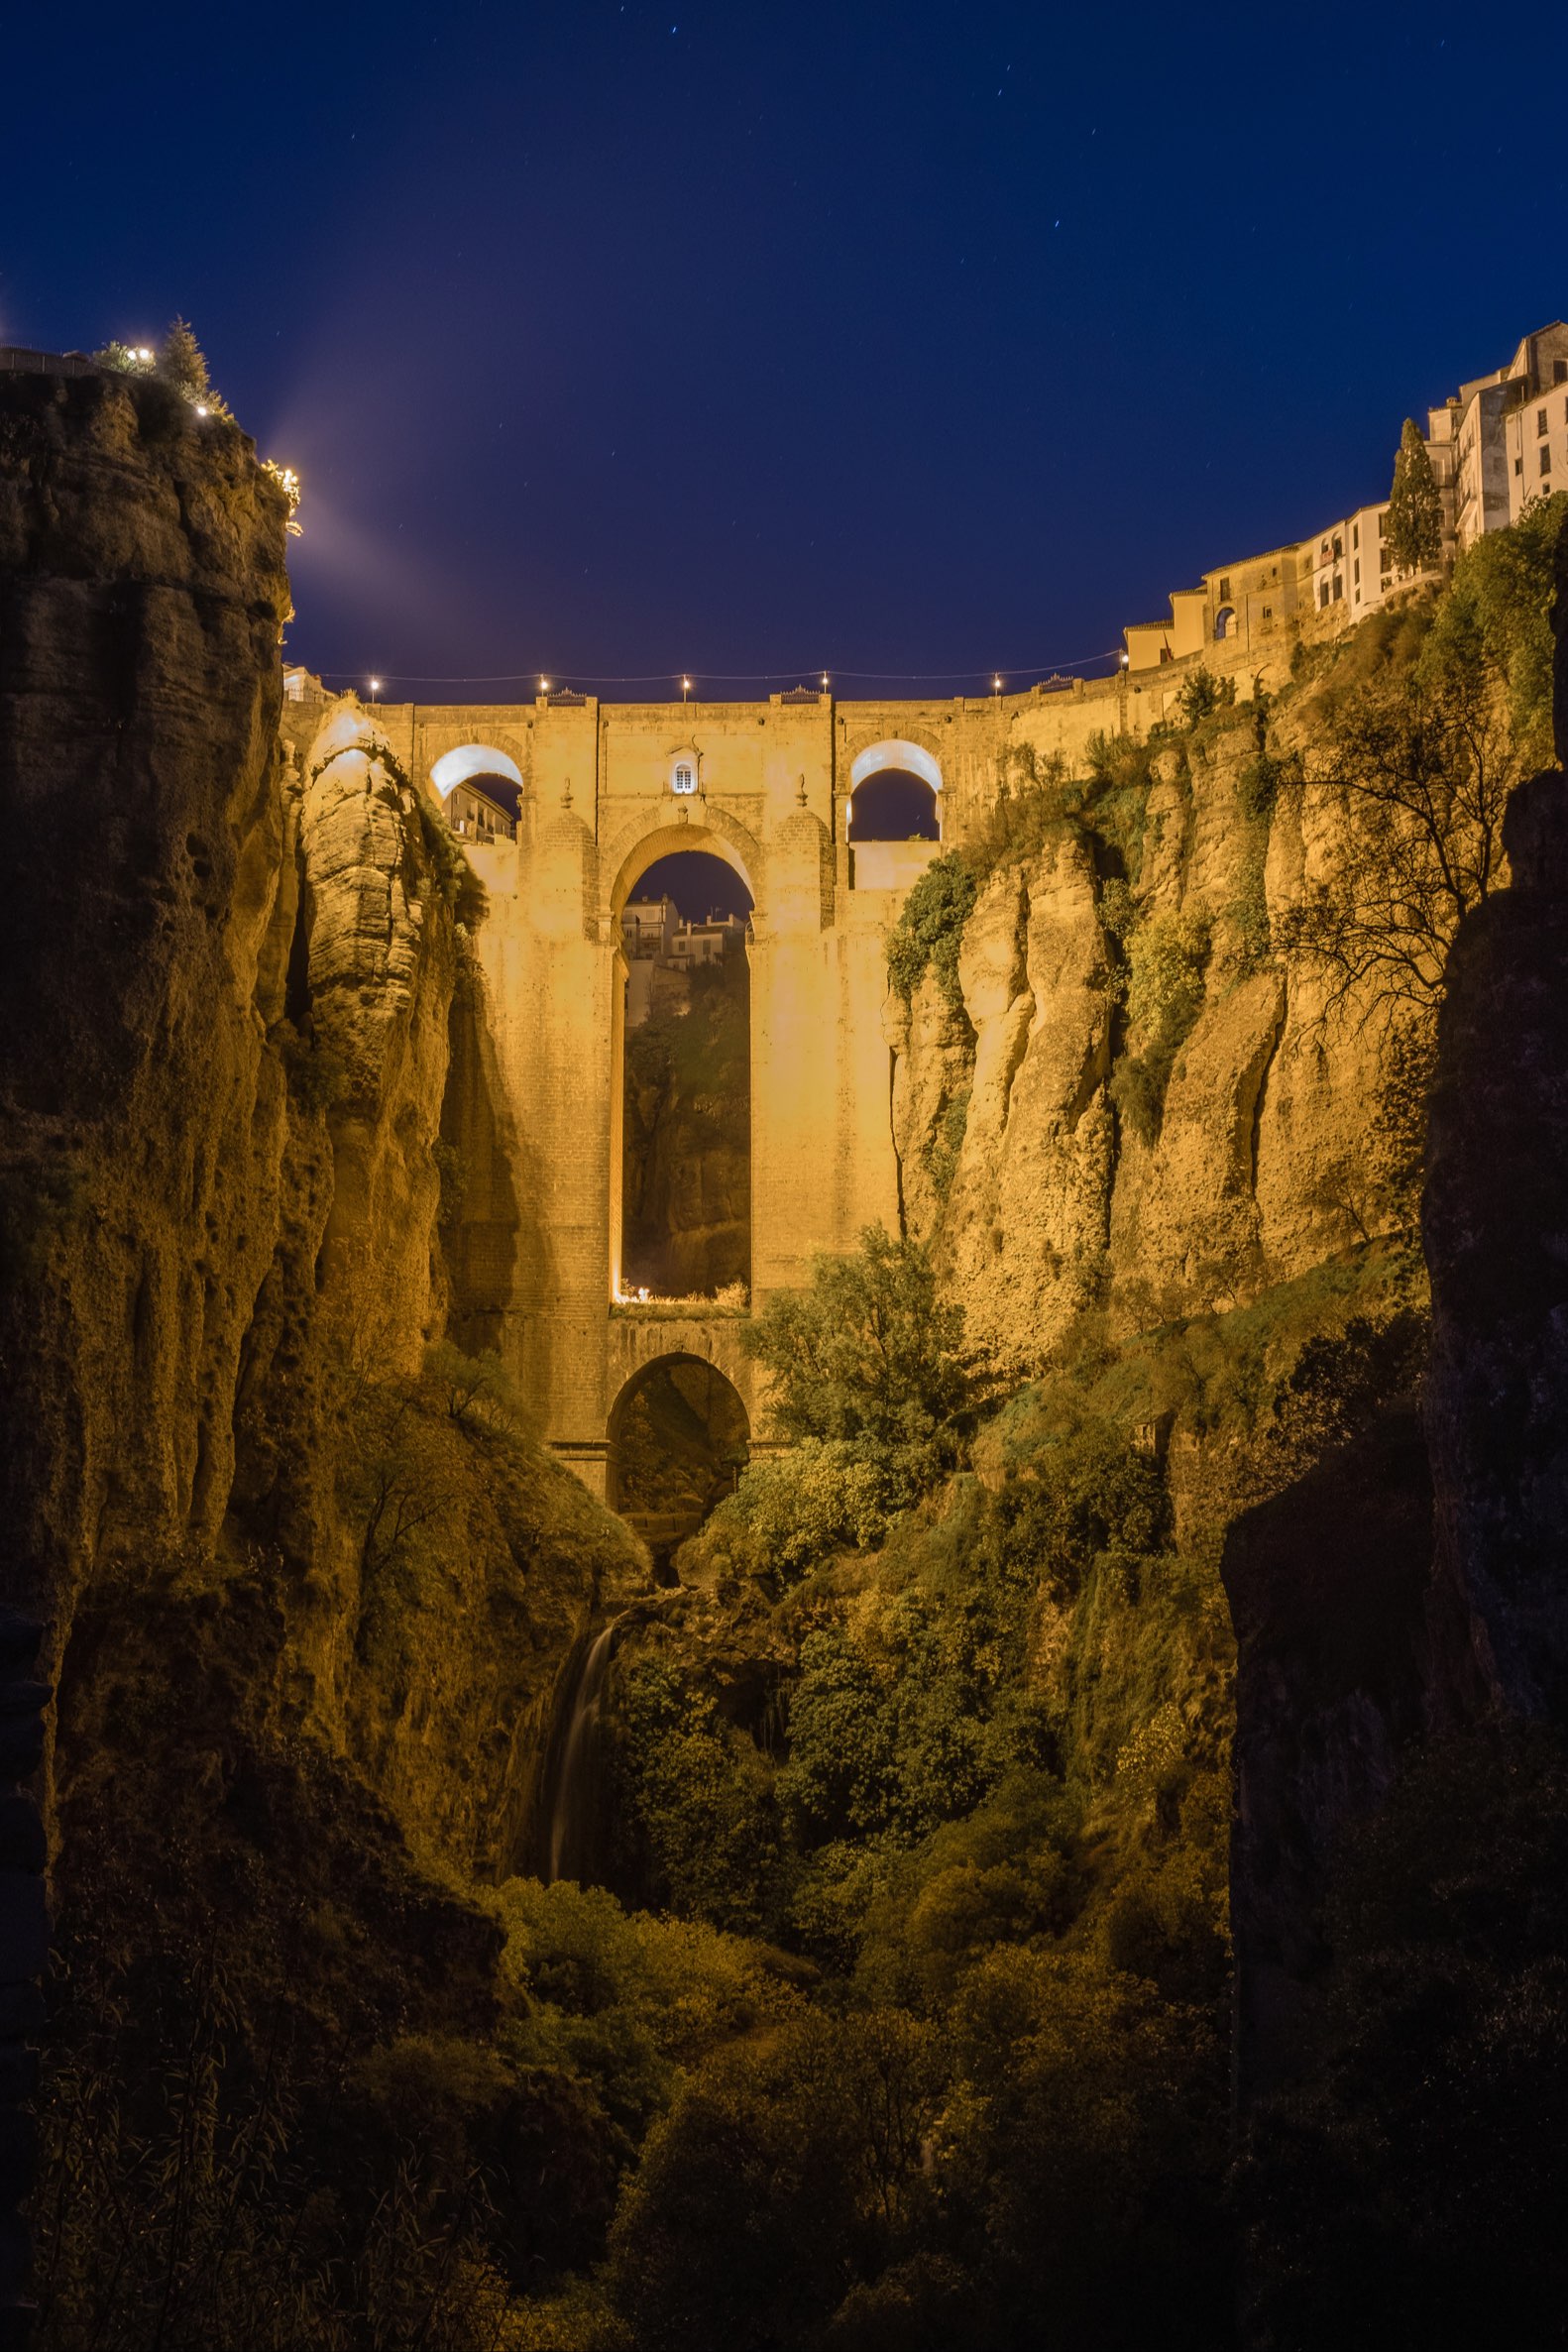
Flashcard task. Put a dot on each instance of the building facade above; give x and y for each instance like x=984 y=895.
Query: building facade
x=1495 y=446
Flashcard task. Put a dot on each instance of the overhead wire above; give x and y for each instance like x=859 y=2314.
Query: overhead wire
x=1042 y=669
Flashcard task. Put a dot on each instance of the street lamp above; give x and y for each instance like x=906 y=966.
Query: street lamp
x=375 y=687
x=686 y=688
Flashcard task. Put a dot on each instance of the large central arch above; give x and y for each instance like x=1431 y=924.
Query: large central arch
x=636 y=846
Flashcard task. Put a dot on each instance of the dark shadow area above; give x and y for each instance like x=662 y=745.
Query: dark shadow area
x=686 y=1158
x=894 y=805
x=681 y=1439
x=478 y=1218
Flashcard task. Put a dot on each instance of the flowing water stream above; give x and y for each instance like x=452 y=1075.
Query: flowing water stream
x=574 y=1794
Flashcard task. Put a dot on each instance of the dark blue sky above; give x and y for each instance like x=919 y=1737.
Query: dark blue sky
x=617 y=339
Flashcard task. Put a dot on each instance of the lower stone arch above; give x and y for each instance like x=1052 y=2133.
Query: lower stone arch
x=679 y=1435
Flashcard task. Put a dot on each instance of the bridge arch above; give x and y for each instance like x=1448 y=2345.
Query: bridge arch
x=679 y=1436
x=641 y=843
x=910 y=760
x=895 y=793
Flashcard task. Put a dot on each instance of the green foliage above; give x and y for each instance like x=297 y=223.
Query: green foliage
x=477 y=1392
x=790 y=1511
x=1496 y=619
x=181 y=362
x=930 y=930
x=452 y=1169
x=1416 y=2184
x=695 y=1799
x=1168 y=963
x=1414 y=764
x=124 y=360
x=1415 y=514
x=1201 y=694
x=871 y=1355
x=947 y=1141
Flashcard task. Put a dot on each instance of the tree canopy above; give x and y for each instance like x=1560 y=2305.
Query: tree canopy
x=873 y=1355
x=1415 y=514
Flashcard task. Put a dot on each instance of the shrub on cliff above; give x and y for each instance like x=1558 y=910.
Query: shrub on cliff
x=1166 y=966
x=930 y=931
x=873 y=1356
x=790 y=1510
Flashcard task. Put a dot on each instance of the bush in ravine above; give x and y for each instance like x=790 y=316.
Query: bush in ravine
x=873 y=1356
x=791 y=1511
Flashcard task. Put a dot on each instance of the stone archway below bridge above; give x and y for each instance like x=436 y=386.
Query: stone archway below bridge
x=678 y=1434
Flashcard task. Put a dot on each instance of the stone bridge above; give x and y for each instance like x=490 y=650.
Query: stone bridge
x=534 y=1096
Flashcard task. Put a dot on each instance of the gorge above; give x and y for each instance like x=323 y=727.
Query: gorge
x=1076 y=1828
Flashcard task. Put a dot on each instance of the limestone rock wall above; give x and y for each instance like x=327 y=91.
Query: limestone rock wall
x=1042 y=1193
x=224 y=1073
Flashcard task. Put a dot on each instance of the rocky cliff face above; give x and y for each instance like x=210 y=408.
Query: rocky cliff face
x=232 y=984
x=1129 y=1108
x=1495 y=1228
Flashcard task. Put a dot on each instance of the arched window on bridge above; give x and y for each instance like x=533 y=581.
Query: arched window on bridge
x=894 y=789
x=679 y=1439
x=685 y=1192
x=479 y=788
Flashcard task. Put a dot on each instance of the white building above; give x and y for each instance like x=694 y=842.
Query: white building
x=648 y=926
x=706 y=943
x=1502 y=439
x=1495 y=444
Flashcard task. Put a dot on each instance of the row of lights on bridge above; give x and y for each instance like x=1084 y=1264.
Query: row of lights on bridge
x=374 y=684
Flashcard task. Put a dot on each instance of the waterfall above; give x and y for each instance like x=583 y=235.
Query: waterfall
x=573 y=1792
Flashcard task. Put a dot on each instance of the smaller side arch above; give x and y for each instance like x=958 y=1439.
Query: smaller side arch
x=909 y=758
x=464 y=760
x=679 y=1435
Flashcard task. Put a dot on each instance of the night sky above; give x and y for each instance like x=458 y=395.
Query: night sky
x=915 y=341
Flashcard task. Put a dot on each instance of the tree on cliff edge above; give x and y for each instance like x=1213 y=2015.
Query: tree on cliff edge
x=1415 y=514
x=183 y=365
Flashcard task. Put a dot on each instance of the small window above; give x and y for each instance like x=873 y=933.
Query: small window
x=1518 y=465
x=1339 y=549
x=1267 y=611
x=1323 y=594
x=1546 y=461
x=684 y=778
x=1382 y=523
x=1541 y=422
x=1358 y=571
x=1339 y=588
x=1355 y=534
x=1560 y=371
x=1224 y=592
